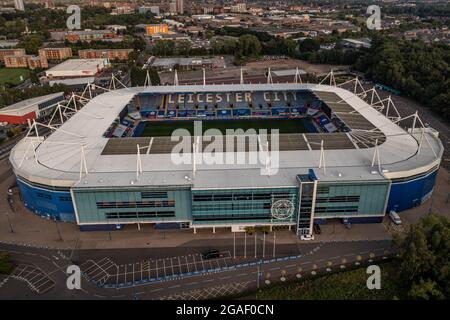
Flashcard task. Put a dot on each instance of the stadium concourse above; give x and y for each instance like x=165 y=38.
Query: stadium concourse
x=109 y=160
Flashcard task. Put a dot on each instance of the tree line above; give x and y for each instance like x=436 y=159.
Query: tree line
x=11 y=96
x=421 y=71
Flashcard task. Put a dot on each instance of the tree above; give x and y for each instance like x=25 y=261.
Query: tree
x=32 y=43
x=424 y=262
x=6 y=266
x=248 y=47
x=184 y=47
x=418 y=70
x=154 y=77
x=164 y=48
x=137 y=76
x=425 y=290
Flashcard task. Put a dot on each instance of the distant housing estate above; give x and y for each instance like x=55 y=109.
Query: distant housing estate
x=86 y=36
x=112 y=54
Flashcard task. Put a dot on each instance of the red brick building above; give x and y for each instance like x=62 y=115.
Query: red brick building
x=111 y=54
x=26 y=61
x=56 y=53
x=11 y=52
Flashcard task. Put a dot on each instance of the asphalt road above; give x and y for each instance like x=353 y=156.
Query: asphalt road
x=46 y=267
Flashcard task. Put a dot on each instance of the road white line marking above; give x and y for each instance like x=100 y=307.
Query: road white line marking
x=275 y=268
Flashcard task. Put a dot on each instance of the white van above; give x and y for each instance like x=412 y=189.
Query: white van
x=395 y=217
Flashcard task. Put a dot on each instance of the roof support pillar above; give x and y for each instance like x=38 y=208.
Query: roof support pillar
x=322 y=158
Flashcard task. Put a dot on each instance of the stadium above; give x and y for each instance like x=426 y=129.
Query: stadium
x=106 y=162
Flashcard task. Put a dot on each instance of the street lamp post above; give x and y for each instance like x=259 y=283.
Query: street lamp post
x=257 y=276
x=245 y=244
x=255 y=244
x=57 y=228
x=264 y=244
x=274 y=239
x=9 y=222
x=234 y=245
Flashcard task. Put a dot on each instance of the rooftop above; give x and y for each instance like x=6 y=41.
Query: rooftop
x=29 y=102
x=59 y=155
x=78 y=65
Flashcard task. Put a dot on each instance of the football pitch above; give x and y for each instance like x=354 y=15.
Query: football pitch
x=165 y=128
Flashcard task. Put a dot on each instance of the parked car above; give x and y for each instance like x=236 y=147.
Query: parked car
x=211 y=254
x=307 y=237
x=395 y=217
x=317 y=229
x=347 y=223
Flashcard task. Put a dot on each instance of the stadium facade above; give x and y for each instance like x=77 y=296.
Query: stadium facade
x=353 y=162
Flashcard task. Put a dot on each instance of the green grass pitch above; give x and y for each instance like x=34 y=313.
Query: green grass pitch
x=165 y=128
x=13 y=76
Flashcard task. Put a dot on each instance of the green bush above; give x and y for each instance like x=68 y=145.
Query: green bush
x=6 y=266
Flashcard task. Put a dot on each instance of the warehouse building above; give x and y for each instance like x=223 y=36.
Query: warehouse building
x=30 y=109
x=74 y=68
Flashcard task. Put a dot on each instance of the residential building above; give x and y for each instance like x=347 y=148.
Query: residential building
x=11 y=52
x=153 y=29
x=152 y=9
x=90 y=35
x=111 y=54
x=26 y=61
x=177 y=7
x=18 y=4
x=56 y=53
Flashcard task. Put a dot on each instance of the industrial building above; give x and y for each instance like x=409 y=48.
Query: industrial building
x=74 y=68
x=30 y=109
x=192 y=63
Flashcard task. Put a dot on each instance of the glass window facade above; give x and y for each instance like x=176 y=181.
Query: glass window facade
x=232 y=206
x=238 y=206
x=132 y=205
x=351 y=199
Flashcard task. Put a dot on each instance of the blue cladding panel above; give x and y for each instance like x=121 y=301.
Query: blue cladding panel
x=408 y=194
x=363 y=220
x=56 y=204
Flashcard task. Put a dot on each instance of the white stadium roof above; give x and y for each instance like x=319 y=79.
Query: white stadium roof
x=59 y=156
